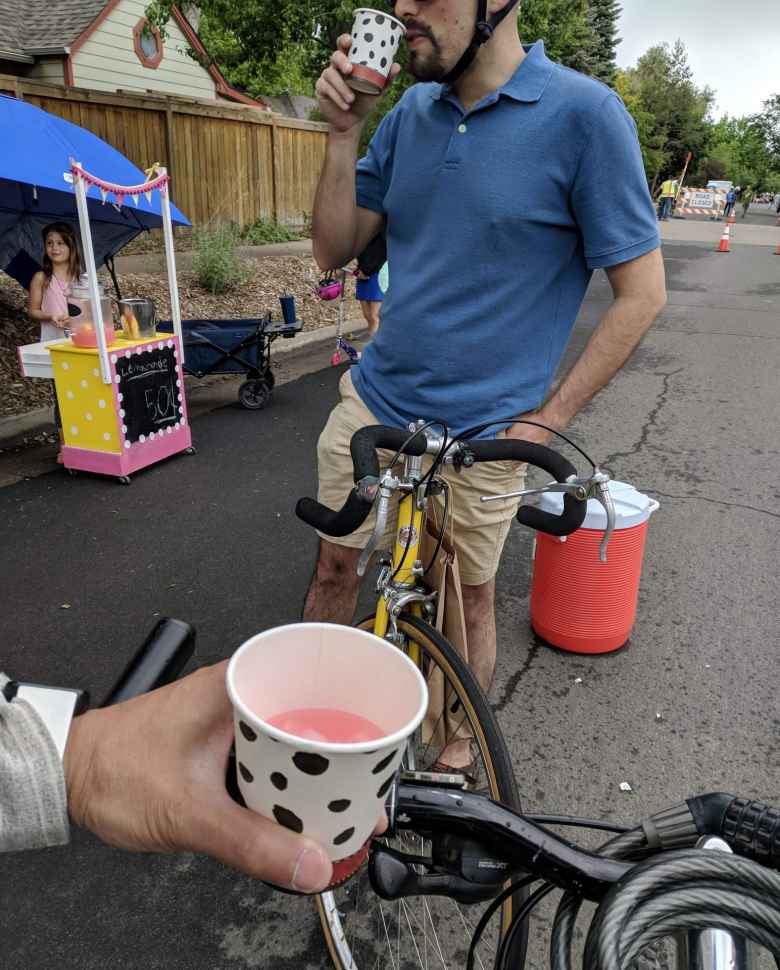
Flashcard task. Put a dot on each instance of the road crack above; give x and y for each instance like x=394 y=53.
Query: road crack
x=715 y=501
x=515 y=679
x=649 y=424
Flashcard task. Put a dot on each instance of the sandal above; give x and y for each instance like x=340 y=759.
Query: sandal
x=468 y=771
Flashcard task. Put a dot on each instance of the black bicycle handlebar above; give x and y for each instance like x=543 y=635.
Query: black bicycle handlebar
x=159 y=661
x=363 y=448
x=514 y=449
x=501 y=841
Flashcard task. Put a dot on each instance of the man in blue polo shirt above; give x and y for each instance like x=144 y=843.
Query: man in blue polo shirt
x=501 y=183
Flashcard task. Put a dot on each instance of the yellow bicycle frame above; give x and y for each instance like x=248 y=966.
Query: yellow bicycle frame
x=410 y=517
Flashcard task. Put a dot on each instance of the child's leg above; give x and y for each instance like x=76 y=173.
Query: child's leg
x=371 y=310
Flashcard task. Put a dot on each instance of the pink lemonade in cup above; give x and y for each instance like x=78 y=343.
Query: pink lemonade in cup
x=326 y=724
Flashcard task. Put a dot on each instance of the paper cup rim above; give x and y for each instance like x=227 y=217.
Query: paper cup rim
x=389 y=16
x=331 y=747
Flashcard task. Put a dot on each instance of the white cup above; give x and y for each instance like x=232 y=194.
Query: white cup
x=332 y=792
x=375 y=39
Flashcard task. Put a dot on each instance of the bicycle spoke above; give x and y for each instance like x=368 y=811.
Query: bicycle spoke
x=389 y=944
x=406 y=914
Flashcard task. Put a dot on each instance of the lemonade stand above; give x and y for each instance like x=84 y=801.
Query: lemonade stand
x=120 y=394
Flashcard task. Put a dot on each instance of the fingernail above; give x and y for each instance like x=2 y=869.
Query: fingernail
x=312 y=871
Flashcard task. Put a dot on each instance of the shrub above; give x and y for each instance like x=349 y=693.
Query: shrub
x=266 y=231
x=216 y=262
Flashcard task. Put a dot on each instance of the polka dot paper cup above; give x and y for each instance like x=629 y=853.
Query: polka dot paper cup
x=375 y=39
x=332 y=792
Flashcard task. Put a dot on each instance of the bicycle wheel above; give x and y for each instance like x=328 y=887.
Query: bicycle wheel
x=364 y=932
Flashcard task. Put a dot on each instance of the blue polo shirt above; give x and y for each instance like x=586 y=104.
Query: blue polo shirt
x=496 y=218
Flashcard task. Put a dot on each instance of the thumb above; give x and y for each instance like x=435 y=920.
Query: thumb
x=260 y=848
x=395 y=70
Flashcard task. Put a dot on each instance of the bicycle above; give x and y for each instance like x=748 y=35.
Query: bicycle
x=648 y=881
x=404 y=615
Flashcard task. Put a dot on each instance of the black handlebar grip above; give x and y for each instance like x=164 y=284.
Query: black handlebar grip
x=363 y=448
x=344 y=522
x=365 y=442
x=159 y=661
x=752 y=829
x=515 y=449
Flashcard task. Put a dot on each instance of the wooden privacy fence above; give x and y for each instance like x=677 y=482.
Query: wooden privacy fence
x=228 y=162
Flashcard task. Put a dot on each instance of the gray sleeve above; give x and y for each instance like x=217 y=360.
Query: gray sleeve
x=33 y=803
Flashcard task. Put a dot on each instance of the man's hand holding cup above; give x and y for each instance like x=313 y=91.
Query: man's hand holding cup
x=360 y=68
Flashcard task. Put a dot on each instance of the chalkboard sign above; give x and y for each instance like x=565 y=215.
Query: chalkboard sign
x=149 y=395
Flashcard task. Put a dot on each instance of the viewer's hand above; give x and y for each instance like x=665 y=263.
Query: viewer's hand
x=149 y=775
x=341 y=107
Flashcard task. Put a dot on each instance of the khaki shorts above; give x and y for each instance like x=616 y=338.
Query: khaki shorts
x=480 y=529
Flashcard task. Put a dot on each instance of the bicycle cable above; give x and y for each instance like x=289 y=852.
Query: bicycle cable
x=479 y=428
x=490 y=911
x=517 y=921
x=585 y=823
x=443 y=529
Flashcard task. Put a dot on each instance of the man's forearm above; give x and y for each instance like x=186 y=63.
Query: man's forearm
x=334 y=220
x=610 y=345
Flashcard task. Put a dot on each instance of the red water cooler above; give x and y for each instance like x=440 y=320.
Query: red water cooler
x=579 y=603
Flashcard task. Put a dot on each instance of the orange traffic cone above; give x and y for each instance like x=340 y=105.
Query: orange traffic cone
x=777 y=251
x=732 y=218
x=723 y=246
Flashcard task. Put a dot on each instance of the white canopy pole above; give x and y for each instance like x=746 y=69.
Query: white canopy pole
x=89 y=262
x=170 y=259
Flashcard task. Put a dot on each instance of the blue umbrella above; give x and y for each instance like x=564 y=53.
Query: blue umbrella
x=35 y=188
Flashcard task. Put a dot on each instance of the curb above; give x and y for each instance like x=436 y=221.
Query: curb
x=14 y=426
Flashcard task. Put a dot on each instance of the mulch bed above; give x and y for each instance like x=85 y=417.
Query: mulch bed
x=273 y=275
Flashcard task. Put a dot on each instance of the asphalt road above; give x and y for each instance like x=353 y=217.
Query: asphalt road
x=689 y=706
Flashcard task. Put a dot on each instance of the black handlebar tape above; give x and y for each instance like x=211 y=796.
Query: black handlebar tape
x=355 y=510
x=365 y=442
x=159 y=661
x=344 y=522
x=515 y=449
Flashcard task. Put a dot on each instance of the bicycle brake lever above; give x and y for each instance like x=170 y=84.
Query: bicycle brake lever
x=603 y=496
x=382 y=510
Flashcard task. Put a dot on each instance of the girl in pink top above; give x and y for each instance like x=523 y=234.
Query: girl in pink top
x=48 y=301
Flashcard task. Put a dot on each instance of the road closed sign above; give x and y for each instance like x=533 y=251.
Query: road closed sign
x=702 y=200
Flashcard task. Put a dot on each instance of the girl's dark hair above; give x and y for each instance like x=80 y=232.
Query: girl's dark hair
x=70 y=240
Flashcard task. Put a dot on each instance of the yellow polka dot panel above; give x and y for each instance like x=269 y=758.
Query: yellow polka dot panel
x=88 y=418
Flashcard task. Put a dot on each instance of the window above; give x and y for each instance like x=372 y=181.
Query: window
x=147 y=44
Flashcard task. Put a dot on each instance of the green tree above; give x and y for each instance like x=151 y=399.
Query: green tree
x=564 y=27
x=651 y=137
x=744 y=148
x=266 y=45
x=603 y=18
x=663 y=84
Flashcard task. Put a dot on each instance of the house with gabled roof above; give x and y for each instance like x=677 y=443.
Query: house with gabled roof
x=108 y=45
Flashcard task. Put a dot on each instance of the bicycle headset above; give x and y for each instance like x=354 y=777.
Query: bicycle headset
x=483 y=31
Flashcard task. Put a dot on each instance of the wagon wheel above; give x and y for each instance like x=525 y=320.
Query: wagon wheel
x=254 y=395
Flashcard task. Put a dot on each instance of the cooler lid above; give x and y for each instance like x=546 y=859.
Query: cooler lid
x=631 y=507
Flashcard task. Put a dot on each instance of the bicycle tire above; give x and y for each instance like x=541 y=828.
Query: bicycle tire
x=502 y=786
